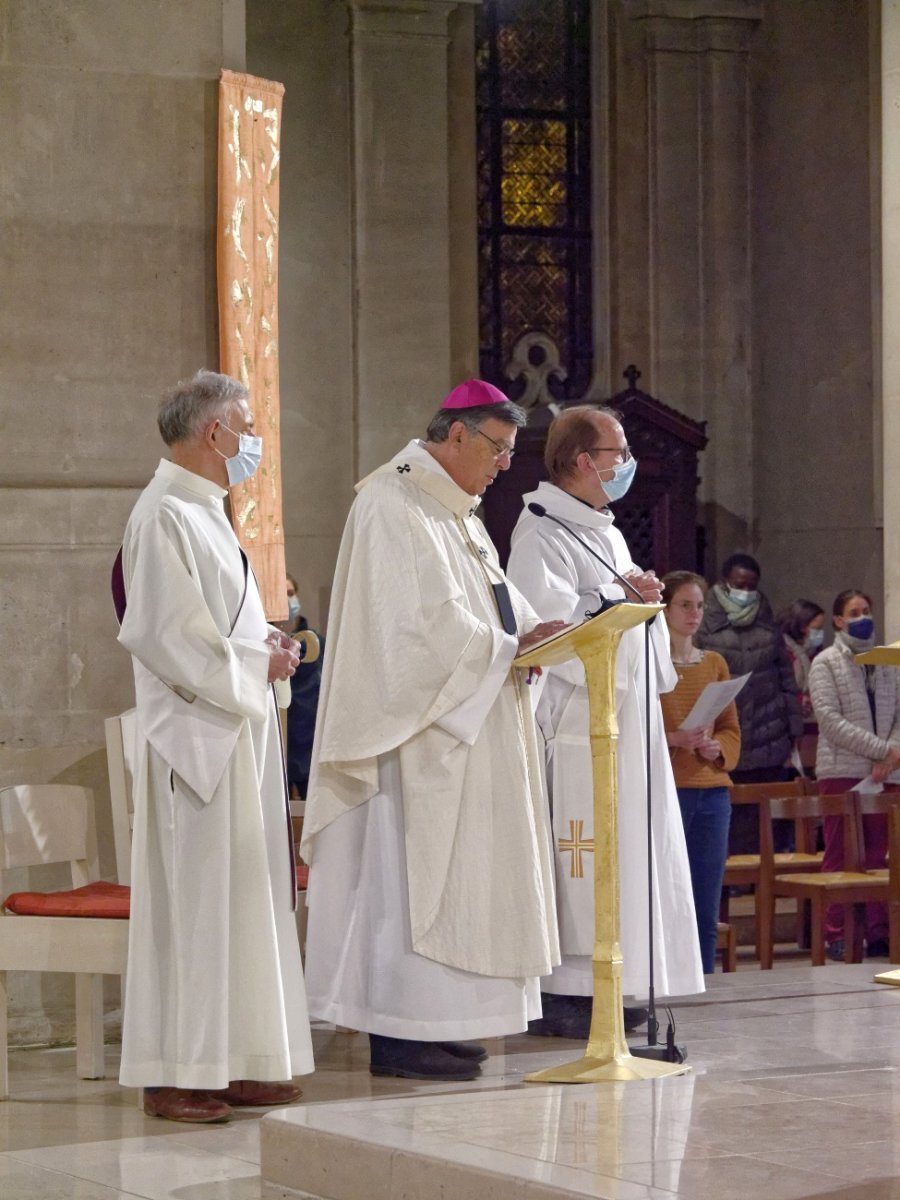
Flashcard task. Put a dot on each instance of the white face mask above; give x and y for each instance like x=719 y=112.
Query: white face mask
x=741 y=598
x=249 y=455
x=623 y=475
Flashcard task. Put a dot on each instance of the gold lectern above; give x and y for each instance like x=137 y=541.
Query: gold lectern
x=595 y=642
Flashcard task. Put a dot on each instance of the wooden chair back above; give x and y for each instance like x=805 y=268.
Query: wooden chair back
x=806 y=811
x=760 y=794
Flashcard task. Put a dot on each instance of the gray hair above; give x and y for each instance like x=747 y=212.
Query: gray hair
x=439 y=428
x=189 y=406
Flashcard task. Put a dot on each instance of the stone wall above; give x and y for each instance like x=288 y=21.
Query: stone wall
x=107 y=201
x=815 y=231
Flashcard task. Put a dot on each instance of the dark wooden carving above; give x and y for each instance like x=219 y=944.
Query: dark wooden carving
x=658 y=516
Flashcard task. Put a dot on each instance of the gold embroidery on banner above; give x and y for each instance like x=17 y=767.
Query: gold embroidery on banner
x=577 y=846
x=237 y=220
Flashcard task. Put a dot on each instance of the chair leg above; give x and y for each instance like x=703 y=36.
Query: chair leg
x=4 y=1059
x=765 y=926
x=817 y=931
x=89 y=1026
x=854 y=932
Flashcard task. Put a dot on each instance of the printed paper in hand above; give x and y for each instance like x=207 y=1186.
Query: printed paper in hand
x=714 y=699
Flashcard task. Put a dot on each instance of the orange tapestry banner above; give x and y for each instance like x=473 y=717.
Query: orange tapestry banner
x=247 y=260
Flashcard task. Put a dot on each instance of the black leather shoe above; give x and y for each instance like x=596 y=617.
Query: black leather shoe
x=570 y=1017
x=417 y=1060
x=468 y=1050
x=563 y=1016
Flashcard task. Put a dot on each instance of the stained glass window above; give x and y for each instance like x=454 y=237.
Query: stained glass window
x=534 y=227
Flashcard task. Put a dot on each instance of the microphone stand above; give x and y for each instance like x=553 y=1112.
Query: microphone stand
x=670 y=1052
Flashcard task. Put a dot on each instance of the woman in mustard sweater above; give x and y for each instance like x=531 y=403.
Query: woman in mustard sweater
x=701 y=758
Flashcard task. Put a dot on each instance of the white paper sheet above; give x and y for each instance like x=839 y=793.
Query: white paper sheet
x=714 y=699
x=868 y=787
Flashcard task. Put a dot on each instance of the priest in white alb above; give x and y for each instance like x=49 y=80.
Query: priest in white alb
x=431 y=905
x=215 y=1010
x=590 y=464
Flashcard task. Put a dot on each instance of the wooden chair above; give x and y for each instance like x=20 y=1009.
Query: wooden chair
x=745 y=870
x=852 y=887
x=54 y=824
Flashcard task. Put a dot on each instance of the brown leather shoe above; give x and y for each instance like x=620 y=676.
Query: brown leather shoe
x=185 y=1104
x=252 y=1093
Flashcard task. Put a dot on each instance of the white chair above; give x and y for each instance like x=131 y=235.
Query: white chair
x=44 y=824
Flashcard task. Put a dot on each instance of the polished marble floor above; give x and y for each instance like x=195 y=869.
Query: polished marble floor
x=795 y=1092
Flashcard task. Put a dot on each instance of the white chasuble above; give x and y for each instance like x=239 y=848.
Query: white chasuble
x=426 y=759
x=215 y=986
x=563 y=581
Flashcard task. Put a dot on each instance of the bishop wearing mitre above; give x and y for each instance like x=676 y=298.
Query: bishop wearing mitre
x=431 y=906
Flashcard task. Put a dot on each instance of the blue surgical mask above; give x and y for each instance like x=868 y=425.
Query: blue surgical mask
x=814 y=639
x=741 y=598
x=293 y=608
x=623 y=475
x=249 y=455
x=861 y=629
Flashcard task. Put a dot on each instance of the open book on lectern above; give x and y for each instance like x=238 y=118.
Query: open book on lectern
x=560 y=645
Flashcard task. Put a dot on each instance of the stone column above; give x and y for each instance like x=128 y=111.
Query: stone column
x=890 y=316
x=402 y=245
x=699 y=245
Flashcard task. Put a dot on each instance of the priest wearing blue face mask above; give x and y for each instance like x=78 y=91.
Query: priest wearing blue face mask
x=738 y=623
x=591 y=467
x=212 y=888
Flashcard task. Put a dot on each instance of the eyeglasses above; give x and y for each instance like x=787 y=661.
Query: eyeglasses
x=500 y=447
x=625 y=451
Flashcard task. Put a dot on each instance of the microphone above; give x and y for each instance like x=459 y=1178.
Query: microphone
x=540 y=511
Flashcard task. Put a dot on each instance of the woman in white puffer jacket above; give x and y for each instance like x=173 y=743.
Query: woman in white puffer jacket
x=858 y=711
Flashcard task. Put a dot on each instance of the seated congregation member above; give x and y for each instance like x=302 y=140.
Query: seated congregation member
x=858 y=711
x=590 y=466
x=215 y=1012
x=738 y=624
x=430 y=888
x=701 y=758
